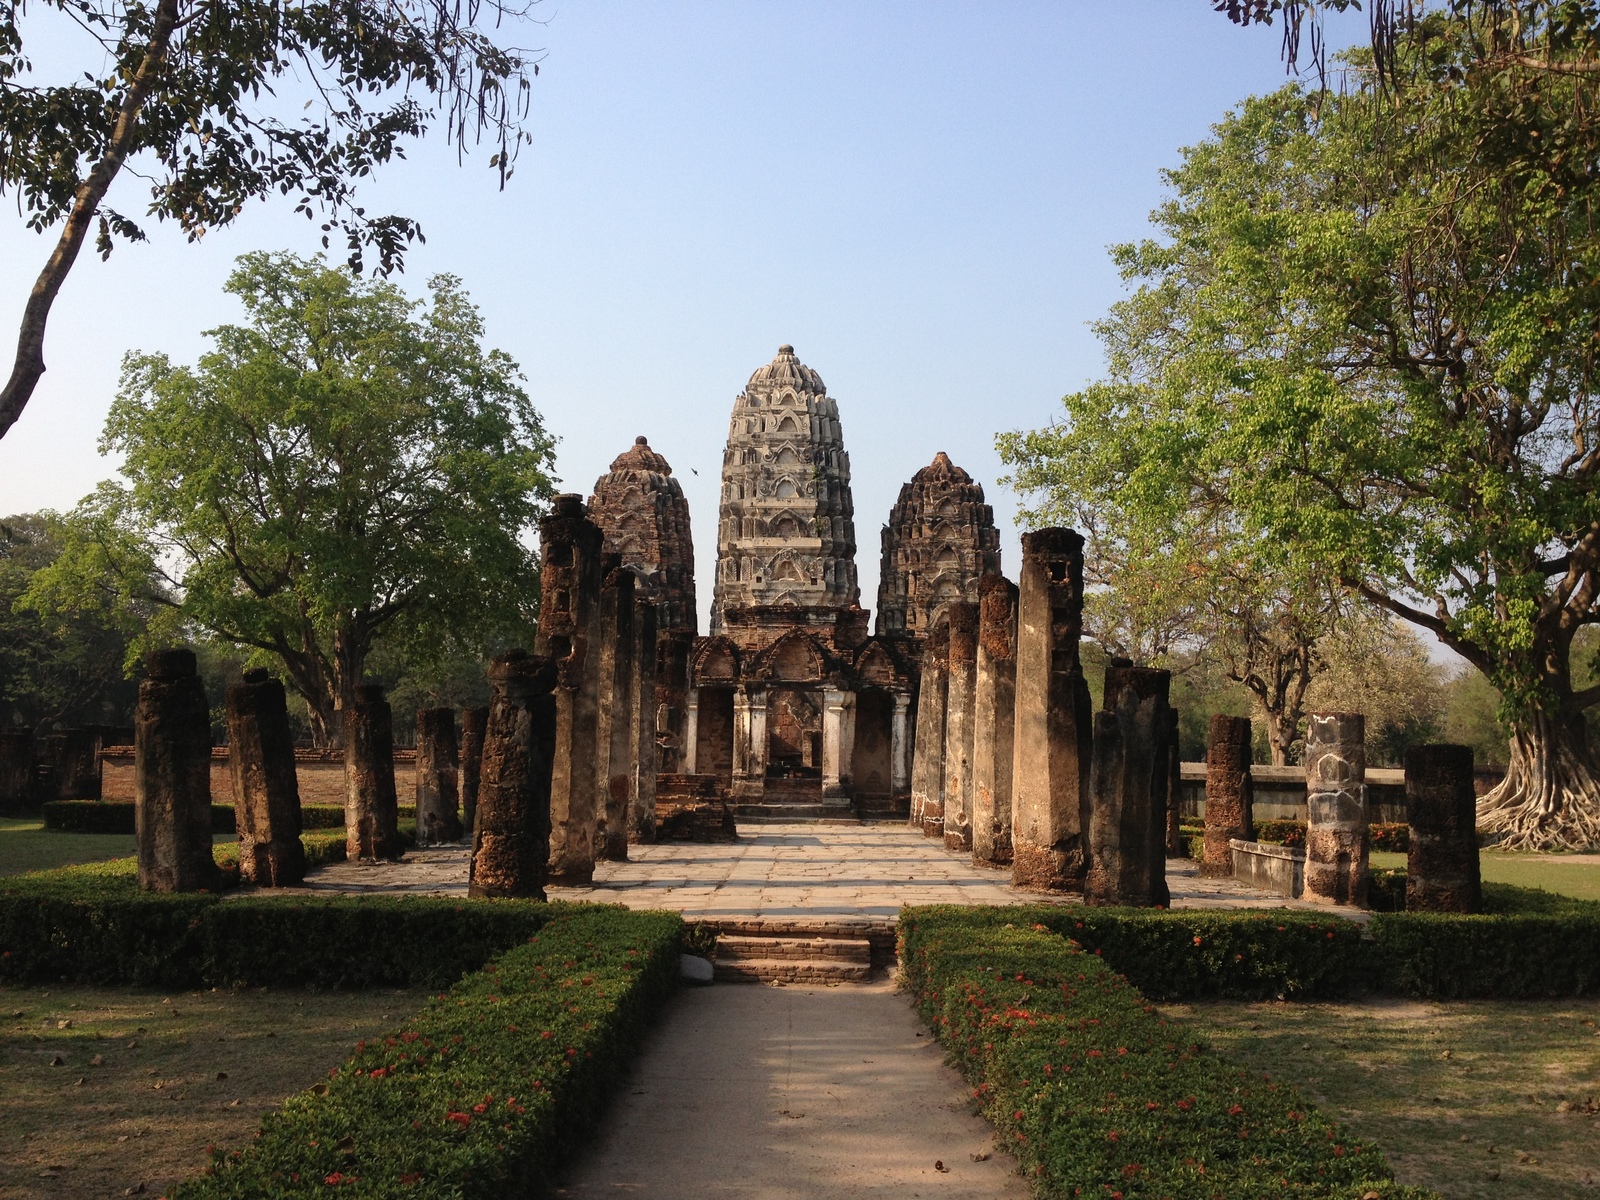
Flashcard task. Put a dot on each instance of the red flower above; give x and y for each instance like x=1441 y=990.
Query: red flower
x=1131 y=1170
x=1197 y=940
x=460 y=1119
x=1236 y=1110
x=410 y=1177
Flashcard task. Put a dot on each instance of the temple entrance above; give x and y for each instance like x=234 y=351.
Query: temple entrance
x=794 y=733
x=871 y=772
x=714 y=737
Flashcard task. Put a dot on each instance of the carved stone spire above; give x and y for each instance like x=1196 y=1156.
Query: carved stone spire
x=641 y=510
x=939 y=541
x=786 y=534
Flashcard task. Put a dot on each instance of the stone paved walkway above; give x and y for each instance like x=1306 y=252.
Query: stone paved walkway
x=781 y=872
x=792 y=1093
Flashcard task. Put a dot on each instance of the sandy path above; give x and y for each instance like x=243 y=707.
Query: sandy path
x=788 y=1093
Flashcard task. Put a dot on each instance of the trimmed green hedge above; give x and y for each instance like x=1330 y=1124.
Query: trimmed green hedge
x=1096 y=1093
x=116 y=816
x=485 y=1091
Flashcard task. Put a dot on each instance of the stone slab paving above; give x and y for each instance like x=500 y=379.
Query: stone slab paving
x=782 y=872
x=790 y=1093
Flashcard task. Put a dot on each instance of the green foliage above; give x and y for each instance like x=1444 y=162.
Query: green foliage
x=63 y=668
x=485 y=1091
x=117 y=816
x=347 y=470
x=1095 y=1092
x=1392 y=836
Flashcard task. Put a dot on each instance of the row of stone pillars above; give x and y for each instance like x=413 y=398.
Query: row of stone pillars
x=1011 y=765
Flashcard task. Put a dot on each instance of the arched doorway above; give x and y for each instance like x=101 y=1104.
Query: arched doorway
x=871 y=771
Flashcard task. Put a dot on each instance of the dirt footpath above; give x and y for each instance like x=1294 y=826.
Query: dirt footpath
x=787 y=1093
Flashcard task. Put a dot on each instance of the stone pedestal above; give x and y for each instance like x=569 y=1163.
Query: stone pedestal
x=960 y=698
x=900 y=747
x=569 y=596
x=838 y=745
x=172 y=776
x=473 y=723
x=80 y=765
x=1175 y=846
x=1128 y=791
x=511 y=838
x=749 y=741
x=614 y=722
x=438 y=772
x=1229 y=795
x=371 y=810
x=643 y=748
x=16 y=771
x=1050 y=765
x=1442 y=873
x=927 y=762
x=1336 y=802
x=266 y=791
x=993 y=716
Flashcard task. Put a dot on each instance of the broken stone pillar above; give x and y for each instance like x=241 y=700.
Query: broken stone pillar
x=16 y=771
x=172 y=776
x=1336 y=802
x=960 y=696
x=1175 y=847
x=371 y=810
x=927 y=754
x=438 y=774
x=1442 y=873
x=569 y=599
x=838 y=745
x=614 y=733
x=80 y=765
x=674 y=739
x=749 y=740
x=1050 y=763
x=1229 y=792
x=900 y=740
x=511 y=840
x=993 y=714
x=642 y=731
x=1128 y=791
x=266 y=788
x=473 y=722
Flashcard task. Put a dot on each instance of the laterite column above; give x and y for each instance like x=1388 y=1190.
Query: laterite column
x=16 y=771
x=1128 y=791
x=438 y=774
x=614 y=722
x=643 y=752
x=371 y=811
x=1230 y=798
x=569 y=597
x=960 y=696
x=1175 y=848
x=1336 y=801
x=172 y=776
x=511 y=841
x=1050 y=765
x=1442 y=873
x=993 y=715
x=927 y=761
x=266 y=789
x=473 y=723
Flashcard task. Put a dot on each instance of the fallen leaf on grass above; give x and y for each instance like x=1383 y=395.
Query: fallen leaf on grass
x=97 y=1061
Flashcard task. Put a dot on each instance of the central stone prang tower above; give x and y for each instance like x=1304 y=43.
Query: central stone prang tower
x=786 y=535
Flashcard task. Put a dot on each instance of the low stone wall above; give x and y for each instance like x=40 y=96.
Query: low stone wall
x=1280 y=792
x=320 y=774
x=1275 y=869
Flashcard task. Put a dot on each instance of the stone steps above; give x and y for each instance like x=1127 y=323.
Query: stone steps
x=790 y=970
x=796 y=954
x=735 y=946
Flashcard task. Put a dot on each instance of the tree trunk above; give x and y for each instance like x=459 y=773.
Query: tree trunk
x=1550 y=797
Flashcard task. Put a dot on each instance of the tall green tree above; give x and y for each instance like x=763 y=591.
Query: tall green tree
x=220 y=102
x=349 y=466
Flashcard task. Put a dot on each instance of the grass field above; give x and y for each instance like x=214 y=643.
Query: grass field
x=1478 y=1099
x=1548 y=871
x=26 y=845
x=177 y=1072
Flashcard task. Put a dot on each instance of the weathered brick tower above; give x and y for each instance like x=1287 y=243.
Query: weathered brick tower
x=640 y=508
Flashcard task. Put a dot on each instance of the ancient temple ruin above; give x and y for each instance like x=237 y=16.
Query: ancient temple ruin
x=641 y=510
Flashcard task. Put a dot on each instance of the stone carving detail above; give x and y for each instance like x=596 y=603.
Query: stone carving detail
x=939 y=541
x=787 y=530
x=640 y=508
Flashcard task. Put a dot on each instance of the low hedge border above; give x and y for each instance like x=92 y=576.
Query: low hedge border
x=116 y=816
x=1096 y=1093
x=1388 y=836
x=485 y=1091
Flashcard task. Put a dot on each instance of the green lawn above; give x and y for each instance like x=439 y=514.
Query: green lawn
x=1547 y=871
x=1479 y=1100
x=26 y=845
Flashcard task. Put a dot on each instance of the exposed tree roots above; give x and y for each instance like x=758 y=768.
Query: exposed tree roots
x=1550 y=798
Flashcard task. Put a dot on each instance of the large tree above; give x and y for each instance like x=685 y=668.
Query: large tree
x=345 y=467
x=1369 y=327
x=219 y=102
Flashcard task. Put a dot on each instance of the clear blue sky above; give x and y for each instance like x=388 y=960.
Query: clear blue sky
x=918 y=196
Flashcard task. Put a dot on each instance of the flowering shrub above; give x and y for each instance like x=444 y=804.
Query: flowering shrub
x=1096 y=1093
x=1389 y=836
x=482 y=1093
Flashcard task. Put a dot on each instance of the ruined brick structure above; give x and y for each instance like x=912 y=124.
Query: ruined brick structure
x=1336 y=808
x=940 y=540
x=641 y=511
x=1442 y=870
